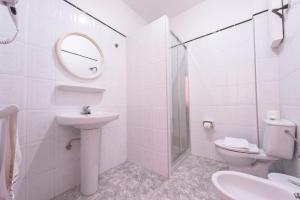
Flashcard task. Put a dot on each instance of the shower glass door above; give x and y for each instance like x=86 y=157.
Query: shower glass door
x=180 y=100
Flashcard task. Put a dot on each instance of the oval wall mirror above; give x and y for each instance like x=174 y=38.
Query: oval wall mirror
x=80 y=55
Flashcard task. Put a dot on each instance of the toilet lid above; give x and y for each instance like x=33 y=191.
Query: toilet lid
x=290 y=182
x=253 y=149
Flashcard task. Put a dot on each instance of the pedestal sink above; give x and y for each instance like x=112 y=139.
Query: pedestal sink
x=90 y=129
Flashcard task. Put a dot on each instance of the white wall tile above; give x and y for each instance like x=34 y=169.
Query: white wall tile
x=269 y=93
x=40 y=63
x=12 y=89
x=13 y=59
x=38 y=35
x=41 y=187
x=40 y=125
x=40 y=94
x=147 y=97
x=288 y=96
x=40 y=157
x=65 y=177
x=267 y=69
x=22 y=127
x=65 y=99
x=111 y=157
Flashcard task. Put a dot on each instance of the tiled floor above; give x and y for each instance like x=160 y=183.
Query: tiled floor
x=190 y=181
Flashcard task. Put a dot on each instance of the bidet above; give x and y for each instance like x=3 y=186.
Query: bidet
x=232 y=185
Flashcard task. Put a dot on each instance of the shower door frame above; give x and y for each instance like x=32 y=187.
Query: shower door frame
x=183 y=152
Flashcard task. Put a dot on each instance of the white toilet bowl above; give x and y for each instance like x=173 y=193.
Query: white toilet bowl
x=278 y=143
x=254 y=161
x=232 y=185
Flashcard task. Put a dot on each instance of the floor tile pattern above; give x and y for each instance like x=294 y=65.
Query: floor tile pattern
x=128 y=181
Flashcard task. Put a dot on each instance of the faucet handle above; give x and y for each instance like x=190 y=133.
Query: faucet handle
x=86 y=110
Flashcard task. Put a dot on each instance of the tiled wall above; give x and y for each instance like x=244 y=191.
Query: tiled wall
x=147 y=97
x=289 y=78
x=29 y=72
x=124 y=18
x=222 y=88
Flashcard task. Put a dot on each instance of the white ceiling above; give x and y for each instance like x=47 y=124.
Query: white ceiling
x=153 y=9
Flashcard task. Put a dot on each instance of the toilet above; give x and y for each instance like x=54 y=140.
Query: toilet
x=256 y=161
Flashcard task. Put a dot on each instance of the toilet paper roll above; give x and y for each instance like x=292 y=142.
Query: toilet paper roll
x=273 y=114
x=208 y=124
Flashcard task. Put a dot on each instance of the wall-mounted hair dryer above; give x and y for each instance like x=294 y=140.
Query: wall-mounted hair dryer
x=10 y=4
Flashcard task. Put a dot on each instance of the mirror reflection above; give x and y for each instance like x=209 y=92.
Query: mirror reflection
x=80 y=55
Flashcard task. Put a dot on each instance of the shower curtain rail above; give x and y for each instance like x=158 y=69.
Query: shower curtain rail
x=276 y=11
x=176 y=37
x=222 y=29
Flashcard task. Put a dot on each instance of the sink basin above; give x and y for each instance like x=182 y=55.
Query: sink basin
x=90 y=131
x=92 y=121
x=232 y=185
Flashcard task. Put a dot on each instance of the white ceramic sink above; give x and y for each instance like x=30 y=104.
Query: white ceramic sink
x=90 y=130
x=240 y=186
x=92 y=121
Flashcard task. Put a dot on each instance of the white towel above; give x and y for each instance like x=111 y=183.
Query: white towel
x=237 y=143
x=10 y=158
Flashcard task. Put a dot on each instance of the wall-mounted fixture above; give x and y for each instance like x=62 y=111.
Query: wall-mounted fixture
x=275 y=24
x=208 y=124
x=80 y=55
x=79 y=88
x=86 y=110
x=69 y=145
x=10 y=4
x=276 y=21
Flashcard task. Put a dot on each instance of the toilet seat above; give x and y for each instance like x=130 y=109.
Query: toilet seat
x=254 y=152
x=253 y=149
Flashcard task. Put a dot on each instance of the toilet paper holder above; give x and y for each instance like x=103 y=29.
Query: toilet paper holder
x=206 y=122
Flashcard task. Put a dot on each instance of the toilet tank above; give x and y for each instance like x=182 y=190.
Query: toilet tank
x=277 y=141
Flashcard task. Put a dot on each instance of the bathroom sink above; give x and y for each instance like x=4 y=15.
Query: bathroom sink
x=91 y=121
x=232 y=185
x=90 y=136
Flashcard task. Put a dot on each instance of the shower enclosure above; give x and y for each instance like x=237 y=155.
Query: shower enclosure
x=180 y=130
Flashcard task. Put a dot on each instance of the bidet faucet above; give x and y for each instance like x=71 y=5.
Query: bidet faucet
x=86 y=110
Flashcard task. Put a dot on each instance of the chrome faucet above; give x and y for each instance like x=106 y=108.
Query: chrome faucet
x=86 y=110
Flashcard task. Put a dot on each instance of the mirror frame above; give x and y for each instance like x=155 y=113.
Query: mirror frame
x=60 y=57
